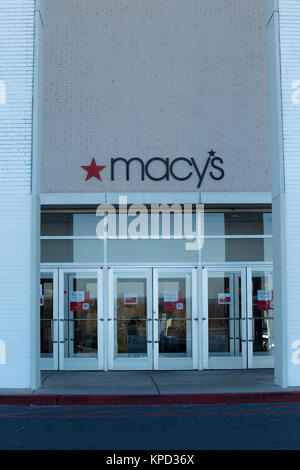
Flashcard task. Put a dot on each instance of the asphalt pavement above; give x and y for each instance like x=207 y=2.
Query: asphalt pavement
x=253 y=426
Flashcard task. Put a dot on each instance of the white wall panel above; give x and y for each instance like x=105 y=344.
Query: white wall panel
x=284 y=46
x=18 y=209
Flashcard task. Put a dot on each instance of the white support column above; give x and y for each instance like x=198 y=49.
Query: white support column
x=284 y=51
x=20 y=50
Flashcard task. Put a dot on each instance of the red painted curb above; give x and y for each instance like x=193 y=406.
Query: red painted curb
x=176 y=399
x=27 y=400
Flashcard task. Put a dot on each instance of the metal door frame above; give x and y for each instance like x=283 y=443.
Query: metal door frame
x=152 y=361
x=52 y=363
x=129 y=363
x=81 y=363
x=224 y=362
x=257 y=362
x=176 y=363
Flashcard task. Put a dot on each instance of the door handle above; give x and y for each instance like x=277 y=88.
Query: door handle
x=51 y=328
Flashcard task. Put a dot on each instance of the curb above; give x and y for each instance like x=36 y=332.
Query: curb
x=176 y=399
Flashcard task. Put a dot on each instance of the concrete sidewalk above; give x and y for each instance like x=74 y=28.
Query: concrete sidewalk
x=158 y=382
x=152 y=387
x=154 y=383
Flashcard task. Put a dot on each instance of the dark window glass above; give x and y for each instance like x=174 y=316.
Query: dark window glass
x=238 y=223
x=71 y=251
x=56 y=224
x=237 y=249
x=244 y=223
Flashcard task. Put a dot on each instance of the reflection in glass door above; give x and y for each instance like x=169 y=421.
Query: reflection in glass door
x=130 y=328
x=261 y=318
x=225 y=331
x=80 y=320
x=239 y=318
x=49 y=320
x=162 y=337
x=174 y=317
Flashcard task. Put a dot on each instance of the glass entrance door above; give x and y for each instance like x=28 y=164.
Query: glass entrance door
x=130 y=319
x=153 y=319
x=80 y=320
x=71 y=319
x=175 y=319
x=225 y=315
x=49 y=319
x=261 y=317
x=238 y=327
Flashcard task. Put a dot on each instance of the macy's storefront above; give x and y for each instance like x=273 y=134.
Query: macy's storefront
x=154 y=303
x=133 y=110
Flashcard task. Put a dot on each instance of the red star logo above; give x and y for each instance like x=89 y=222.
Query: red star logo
x=93 y=170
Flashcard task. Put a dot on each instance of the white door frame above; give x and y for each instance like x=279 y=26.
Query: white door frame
x=81 y=363
x=51 y=363
x=129 y=363
x=176 y=363
x=152 y=361
x=224 y=362
x=263 y=361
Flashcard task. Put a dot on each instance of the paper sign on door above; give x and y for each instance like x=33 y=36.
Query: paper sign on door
x=265 y=299
x=77 y=296
x=131 y=299
x=170 y=296
x=79 y=300
x=224 y=299
x=42 y=298
x=173 y=300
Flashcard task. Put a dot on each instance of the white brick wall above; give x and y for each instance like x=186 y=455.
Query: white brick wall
x=16 y=71
x=284 y=36
x=289 y=20
x=18 y=214
x=15 y=298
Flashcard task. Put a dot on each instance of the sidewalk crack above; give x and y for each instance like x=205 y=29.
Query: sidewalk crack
x=155 y=384
x=45 y=378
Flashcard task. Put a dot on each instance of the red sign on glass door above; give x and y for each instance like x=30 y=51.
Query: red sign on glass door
x=265 y=299
x=173 y=301
x=84 y=304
